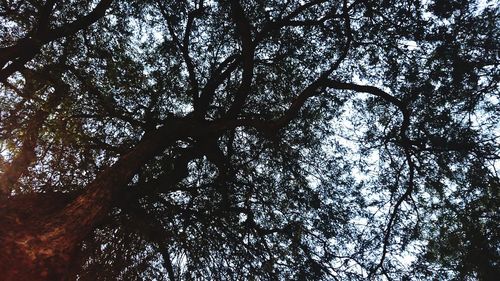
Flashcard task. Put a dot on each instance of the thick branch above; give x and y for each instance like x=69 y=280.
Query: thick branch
x=183 y=45
x=248 y=46
x=406 y=144
x=244 y=29
x=69 y=29
x=378 y=93
x=217 y=77
x=285 y=21
x=25 y=49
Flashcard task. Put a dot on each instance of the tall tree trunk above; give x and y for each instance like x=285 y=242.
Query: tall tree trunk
x=39 y=233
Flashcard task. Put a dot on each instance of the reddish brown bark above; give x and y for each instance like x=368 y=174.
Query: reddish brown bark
x=39 y=233
x=28 y=253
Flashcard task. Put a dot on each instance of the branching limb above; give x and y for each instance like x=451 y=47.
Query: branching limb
x=405 y=143
x=183 y=45
x=220 y=74
x=244 y=29
x=108 y=103
x=25 y=49
x=26 y=155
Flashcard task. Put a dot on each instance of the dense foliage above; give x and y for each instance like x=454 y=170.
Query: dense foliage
x=325 y=140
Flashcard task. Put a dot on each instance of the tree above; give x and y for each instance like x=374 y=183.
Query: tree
x=259 y=140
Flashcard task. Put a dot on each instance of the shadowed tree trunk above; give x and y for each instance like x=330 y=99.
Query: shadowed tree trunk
x=226 y=140
x=39 y=233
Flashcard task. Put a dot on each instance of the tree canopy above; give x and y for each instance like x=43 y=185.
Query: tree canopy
x=249 y=140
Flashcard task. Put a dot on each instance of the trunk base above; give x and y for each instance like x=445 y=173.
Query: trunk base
x=31 y=248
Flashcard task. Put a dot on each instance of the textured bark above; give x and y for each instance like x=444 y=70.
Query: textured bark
x=26 y=253
x=39 y=233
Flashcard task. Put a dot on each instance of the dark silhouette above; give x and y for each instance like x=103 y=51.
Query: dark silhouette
x=249 y=140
